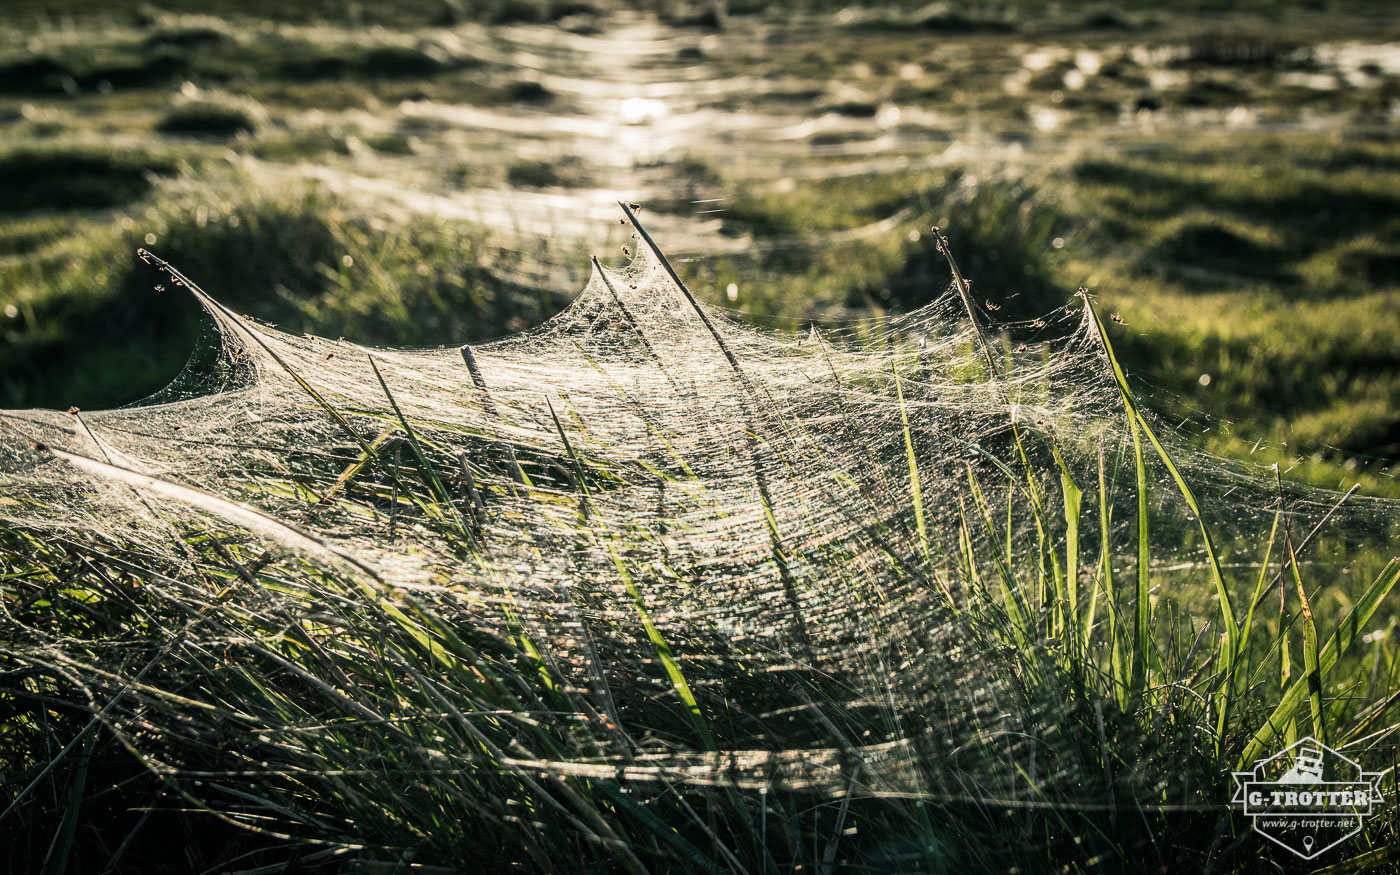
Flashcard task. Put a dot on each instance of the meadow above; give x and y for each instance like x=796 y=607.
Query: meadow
x=829 y=527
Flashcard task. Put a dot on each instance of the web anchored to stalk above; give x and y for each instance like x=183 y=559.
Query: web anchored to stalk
x=647 y=588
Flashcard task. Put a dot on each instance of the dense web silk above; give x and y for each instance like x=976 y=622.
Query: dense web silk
x=694 y=540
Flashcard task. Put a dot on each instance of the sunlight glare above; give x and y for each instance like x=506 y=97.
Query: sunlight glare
x=641 y=110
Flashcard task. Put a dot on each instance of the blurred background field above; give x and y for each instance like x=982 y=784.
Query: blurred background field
x=1225 y=177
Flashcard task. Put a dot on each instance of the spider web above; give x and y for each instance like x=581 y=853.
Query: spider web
x=697 y=553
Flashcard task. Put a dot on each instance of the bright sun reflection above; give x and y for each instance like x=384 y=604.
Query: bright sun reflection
x=641 y=110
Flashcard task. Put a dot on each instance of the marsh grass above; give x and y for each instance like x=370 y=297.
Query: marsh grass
x=209 y=118
x=1266 y=261
x=323 y=721
x=92 y=333
x=38 y=179
x=343 y=723
x=1251 y=294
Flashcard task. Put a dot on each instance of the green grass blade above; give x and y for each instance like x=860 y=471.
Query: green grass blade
x=665 y=656
x=915 y=487
x=1311 y=673
x=1142 y=616
x=1010 y=592
x=1230 y=688
x=1259 y=585
x=573 y=457
x=1105 y=555
x=439 y=491
x=1137 y=421
x=1074 y=497
x=56 y=862
x=1333 y=650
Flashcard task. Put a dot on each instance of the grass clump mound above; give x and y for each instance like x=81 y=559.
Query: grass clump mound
x=1007 y=235
x=371 y=62
x=949 y=18
x=37 y=178
x=865 y=242
x=1223 y=252
x=1377 y=269
x=1280 y=246
x=34 y=75
x=533 y=174
x=211 y=117
x=566 y=171
x=190 y=37
x=94 y=329
x=541 y=11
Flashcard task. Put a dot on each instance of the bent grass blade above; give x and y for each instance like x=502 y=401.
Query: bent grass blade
x=1335 y=648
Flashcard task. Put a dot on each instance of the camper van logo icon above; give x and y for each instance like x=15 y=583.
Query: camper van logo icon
x=1307 y=767
x=1307 y=797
